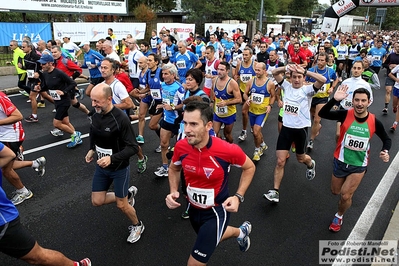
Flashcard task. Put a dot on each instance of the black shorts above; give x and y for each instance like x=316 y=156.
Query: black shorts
x=209 y=224
x=170 y=127
x=152 y=110
x=96 y=81
x=289 y=135
x=376 y=69
x=389 y=82
x=16 y=241
x=316 y=101
x=280 y=118
x=342 y=170
x=14 y=146
x=135 y=82
x=61 y=112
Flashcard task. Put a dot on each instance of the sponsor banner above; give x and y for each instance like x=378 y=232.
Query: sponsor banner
x=329 y=24
x=183 y=30
x=16 y=31
x=93 y=31
x=67 y=6
x=226 y=27
x=379 y=3
x=349 y=252
x=277 y=28
x=343 y=6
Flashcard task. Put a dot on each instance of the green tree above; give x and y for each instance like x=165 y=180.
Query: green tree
x=145 y=14
x=156 y=5
x=302 y=7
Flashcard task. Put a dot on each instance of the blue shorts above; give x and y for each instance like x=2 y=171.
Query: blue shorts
x=225 y=120
x=147 y=99
x=103 y=179
x=258 y=120
x=342 y=170
x=395 y=92
x=210 y=226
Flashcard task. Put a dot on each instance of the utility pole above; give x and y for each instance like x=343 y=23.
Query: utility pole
x=261 y=16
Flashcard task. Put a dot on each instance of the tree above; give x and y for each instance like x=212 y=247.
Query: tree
x=155 y=5
x=145 y=14
x=302 y=7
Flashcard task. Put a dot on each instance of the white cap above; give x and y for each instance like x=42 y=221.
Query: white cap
x=83 y=43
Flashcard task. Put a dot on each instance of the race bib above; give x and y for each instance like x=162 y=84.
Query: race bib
x=257 y=98
x=356 y=143
x=169 y=52
x=377 y=57
x=245 y=77
x=163 y=53
x=201 y=197
x=291 y=109
x=156 y=94
x=341 y=56
x=347 y=104
x=101 y=152
x=153 y=44
x=221 y=110
x=54 y=95
x=166 y=101
x=181 y=64
x=88 y=64
x=30 y=73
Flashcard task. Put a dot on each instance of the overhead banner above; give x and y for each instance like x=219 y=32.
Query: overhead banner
x=183 y=30
x=226 y=27
x=342 y=7
x=113 y=7
x=16 y=31
x=379 y=3
x=93 y=31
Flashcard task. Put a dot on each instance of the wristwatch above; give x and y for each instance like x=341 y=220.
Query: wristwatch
x=240 y=197
x=173 y=107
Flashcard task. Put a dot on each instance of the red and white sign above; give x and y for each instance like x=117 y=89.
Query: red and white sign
x=183 y=30
x=343 y=6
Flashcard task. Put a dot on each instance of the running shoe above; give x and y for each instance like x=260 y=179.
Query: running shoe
x=263 y=148
x=185 y=215
x=85 y=262
x=41 y=105
x=310 y=145
x=272 y=195
x=19 y=197
x=336 y=224
x=140 y=139
x=31 y=119
x=256 y=156
x=393 y=127
x=82 y=93
x=162 y=172
x=135 y=232
x=133 y=191
x=56 y=132
x=142 y=165
x=245 y=242
x=20 y=153
x=75 y=140
x=41 y=168
x=395 y=109
x=311 y=173
x=24 y=93
x=243 y=135
x=385 y=111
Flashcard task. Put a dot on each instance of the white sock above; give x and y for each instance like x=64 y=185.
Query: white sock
x=22 y=190
x=241 y=234
x=34 y=115
x=339 y=216
x=35 y=164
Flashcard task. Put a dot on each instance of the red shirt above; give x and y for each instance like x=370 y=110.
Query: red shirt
x=125 y=80
x=307 y=53
x=67 y=66
x=298 y=58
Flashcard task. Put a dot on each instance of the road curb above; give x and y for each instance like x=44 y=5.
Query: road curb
x=15 y=90
x=392 y=232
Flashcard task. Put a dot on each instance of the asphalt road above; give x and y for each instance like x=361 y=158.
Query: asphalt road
x=60 y=214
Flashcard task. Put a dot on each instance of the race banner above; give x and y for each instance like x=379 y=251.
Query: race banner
x=277 y=28
x=183 y=30
x=226 y=27
x=67 y=6
x=93 y=31
x=16 y=31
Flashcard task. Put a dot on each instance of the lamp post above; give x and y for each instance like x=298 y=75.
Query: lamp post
x=261 y=16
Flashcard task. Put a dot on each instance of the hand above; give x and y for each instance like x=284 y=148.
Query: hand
x=104 y=162
x=89 y=156
x=341 y=93
x=222 y=103
x=384 y=156
x=248 y=102
x=59 y=92
x=171 y=200
x=269 y=109
x=19 y=65
x=280 y=104
x=231 y=204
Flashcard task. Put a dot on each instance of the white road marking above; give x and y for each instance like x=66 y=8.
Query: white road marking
x=366 y=219
x=61 y=142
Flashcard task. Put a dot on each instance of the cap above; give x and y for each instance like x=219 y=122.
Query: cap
x=189 y=39
x=327 y=41
x=199 y=37
x=83 y=43
x=46 y=58
x=233 y=31
x=67 y=36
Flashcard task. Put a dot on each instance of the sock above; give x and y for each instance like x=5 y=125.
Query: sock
x=241 y=234
x=339 y=216
x=165 y=166
x=34 y=115
x=386 y=105
x=257 y=149
x=22 y=190
x=263 y=144
x=140 y=160
x=41 y=101
x=138 y=223
x=245 y=131
x=395 y=123
x=35 y=164
x=74 y=133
